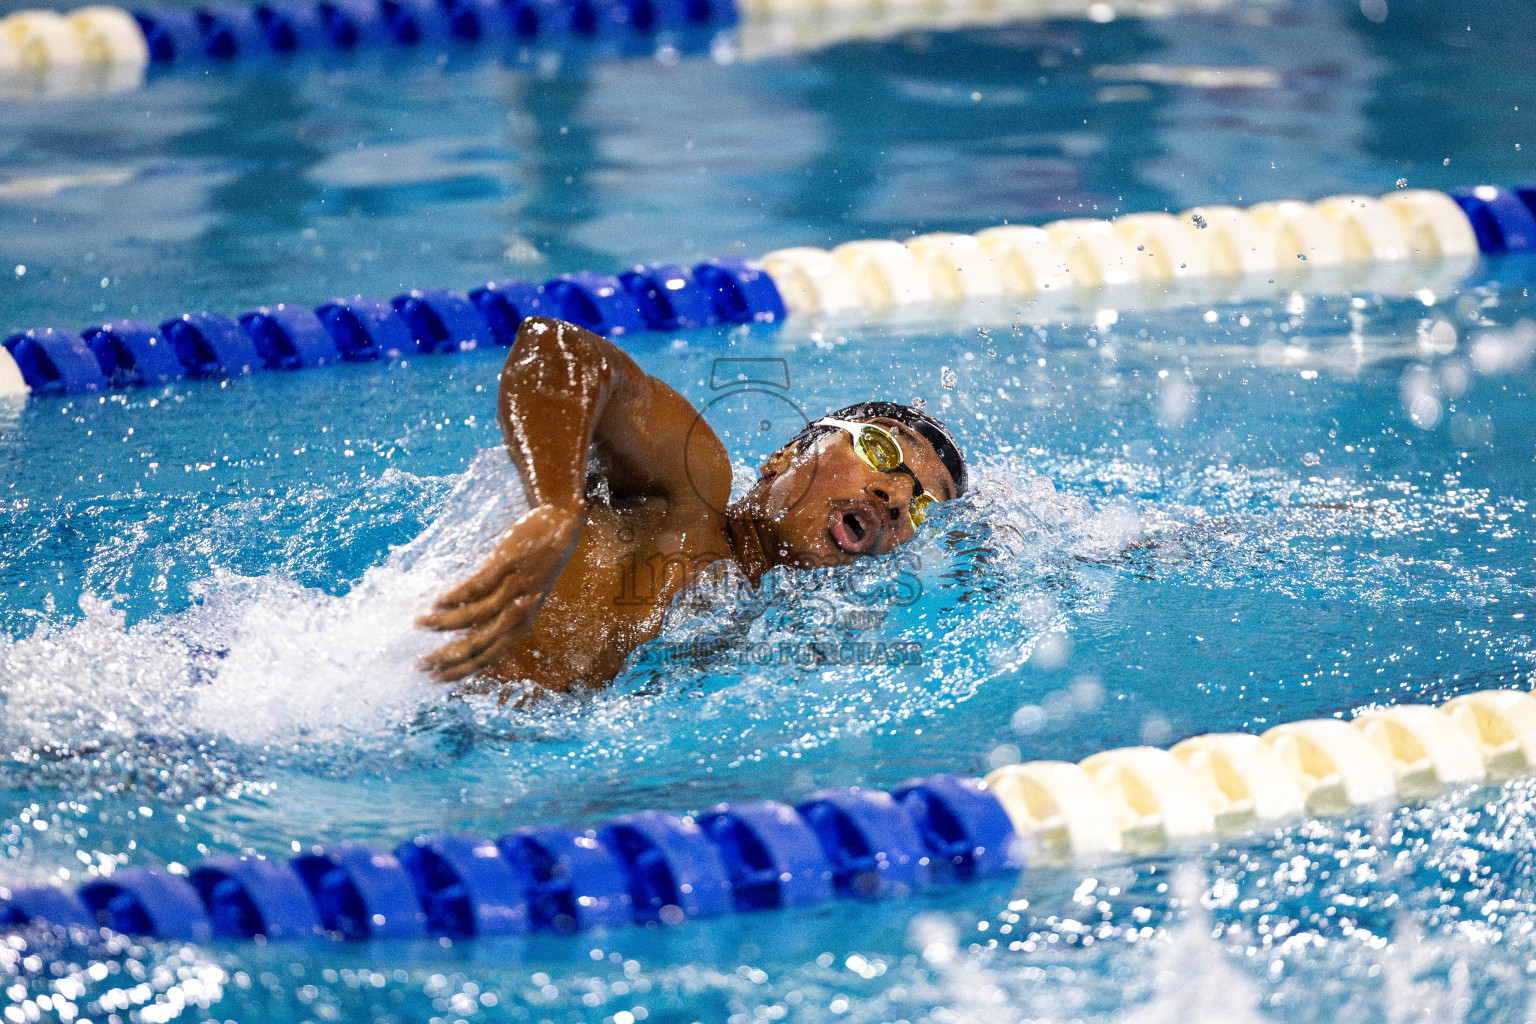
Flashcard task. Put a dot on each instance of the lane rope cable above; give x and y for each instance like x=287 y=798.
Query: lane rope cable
x=1292 y=245
x=664 y=868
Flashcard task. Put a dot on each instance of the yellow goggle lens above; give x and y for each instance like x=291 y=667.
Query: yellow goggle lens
x=879 y=449
x=918 y=509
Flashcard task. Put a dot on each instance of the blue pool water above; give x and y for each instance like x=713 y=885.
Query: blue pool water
x=1212 y=515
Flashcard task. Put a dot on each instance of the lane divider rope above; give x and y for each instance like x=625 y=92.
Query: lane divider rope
x=1286 y=241
x=657 y=867
x=40 y=40
x=127 y=353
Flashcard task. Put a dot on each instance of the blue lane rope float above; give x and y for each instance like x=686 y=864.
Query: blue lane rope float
x=771 y=854
x=1503 y=220
x=655 y=867
x=573 y=881
x=673 y=869
x=361 y=893
x=249 y=896
x=1284 y=240
x=146 y=901
x=465 y=886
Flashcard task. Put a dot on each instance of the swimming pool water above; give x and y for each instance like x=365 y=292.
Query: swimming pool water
x=1209 y=516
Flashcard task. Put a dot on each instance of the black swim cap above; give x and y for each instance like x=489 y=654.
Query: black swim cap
x=930 y=429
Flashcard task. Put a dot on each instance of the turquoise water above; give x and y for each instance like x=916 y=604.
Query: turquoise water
x=1218 y=514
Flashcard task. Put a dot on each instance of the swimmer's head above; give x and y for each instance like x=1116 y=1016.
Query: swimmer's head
x=835 y=492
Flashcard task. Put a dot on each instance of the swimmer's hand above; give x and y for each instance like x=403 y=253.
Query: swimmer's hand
x=497 y=605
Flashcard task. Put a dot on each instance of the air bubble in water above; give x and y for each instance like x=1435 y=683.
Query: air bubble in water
x=982 y=332
x=1004 y=754
x=919 y=403
x=1155 y=730
x=1310 y=459
x=1402 y=182
x=1199 y=221
x=1028 y=720
x=1302 y=256
x=948 y=378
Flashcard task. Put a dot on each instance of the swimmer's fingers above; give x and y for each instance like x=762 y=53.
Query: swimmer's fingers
x=449 y=616
x=481 y=646
x=486 y=581
x=446 y=615
x=451 y=662
x=469 y=668
x=529 y=550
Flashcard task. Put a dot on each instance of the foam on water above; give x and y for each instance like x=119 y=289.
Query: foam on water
x=264 y=665
x=260 y=664
x=263 y=672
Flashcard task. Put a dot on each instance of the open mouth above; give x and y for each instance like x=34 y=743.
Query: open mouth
x=853 y=530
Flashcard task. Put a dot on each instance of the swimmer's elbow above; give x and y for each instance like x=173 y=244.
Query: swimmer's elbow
x=556 y=357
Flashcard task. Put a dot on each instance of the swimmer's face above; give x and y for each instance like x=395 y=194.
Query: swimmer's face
x=823 y=506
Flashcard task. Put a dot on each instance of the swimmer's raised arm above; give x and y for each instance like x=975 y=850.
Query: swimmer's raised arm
x=567 y=393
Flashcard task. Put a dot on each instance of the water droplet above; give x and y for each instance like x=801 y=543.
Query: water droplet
x=1402 y=182
x=1302 y=256
x=982 y=332
x=1141 y=248
x=1199 y=221
x=1446 y=162
x=1310 y=459
x=919 y=402
x=948 y=378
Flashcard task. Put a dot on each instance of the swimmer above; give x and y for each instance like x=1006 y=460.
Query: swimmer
x=555 y=603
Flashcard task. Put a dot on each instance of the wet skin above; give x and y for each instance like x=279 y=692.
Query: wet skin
x=585 y=577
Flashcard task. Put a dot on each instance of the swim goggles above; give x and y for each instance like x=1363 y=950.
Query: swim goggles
x=878 y=449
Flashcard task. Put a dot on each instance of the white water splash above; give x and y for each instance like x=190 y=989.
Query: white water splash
x=256 y=661
x=264 y=671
